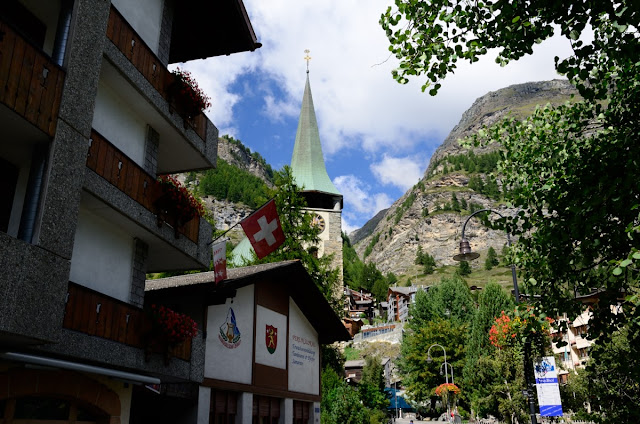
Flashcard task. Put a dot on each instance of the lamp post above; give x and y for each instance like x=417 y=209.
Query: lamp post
x=451 y=367
x=466 y=254
x=446 y=370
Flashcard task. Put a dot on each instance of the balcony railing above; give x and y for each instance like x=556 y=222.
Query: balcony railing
x=144 y=60
x=30 y=83
x=99 y=315
x=114 y=166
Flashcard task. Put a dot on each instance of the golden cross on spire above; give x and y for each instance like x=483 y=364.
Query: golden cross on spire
x=307 y=58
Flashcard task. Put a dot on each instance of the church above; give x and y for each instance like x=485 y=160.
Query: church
x=323 y=199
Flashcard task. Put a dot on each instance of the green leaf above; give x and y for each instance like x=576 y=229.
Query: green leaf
x=516 y=19
x=617 y=271
x=626 y=263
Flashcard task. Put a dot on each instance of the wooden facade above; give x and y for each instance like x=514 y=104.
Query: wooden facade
x=30 y=83
x=144 y=60
x=97 y=314
x=114 y=166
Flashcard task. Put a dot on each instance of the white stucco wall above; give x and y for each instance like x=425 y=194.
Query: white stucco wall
x=277 y=358
x=102 y=257
x=145 y=16
x=304 y=353
x=229 y=358
x=119 y=124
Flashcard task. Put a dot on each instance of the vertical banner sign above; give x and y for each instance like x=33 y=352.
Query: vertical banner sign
x=220 y=261
x=547 y=386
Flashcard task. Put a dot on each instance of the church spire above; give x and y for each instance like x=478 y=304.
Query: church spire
x=307 y=162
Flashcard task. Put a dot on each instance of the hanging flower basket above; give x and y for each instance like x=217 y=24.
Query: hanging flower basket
x=176 y=205
x=448 y=393
x=446 y=389
x=186 y=96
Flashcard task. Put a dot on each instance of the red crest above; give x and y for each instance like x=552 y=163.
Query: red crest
x=271 y=338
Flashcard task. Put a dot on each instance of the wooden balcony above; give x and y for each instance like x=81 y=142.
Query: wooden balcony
x=30 y=83
x=99 y=315
x=144 y=60
x=114 y=166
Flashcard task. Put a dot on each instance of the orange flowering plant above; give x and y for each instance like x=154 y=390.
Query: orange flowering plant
x=185 y=204
x=448 y=392
x=446 y=388
x=186 y=92
x=522 y=324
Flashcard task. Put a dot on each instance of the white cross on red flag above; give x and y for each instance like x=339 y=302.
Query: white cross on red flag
x=264 y=230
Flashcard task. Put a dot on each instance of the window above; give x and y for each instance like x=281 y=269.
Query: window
x=266 y=410
x=223 y=407
x=300 y=412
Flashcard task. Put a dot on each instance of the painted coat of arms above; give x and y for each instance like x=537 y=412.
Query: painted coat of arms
x=229 y=334
x=271 y=338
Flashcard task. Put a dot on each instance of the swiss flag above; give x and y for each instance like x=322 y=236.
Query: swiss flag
x=264 y=230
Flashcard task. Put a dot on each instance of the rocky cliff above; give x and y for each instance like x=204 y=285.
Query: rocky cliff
x=431 y=213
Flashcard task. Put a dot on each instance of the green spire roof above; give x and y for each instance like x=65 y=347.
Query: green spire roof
x=307 y=162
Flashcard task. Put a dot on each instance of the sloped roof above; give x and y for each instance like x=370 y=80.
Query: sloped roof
x=290 y=274
x=307 y=162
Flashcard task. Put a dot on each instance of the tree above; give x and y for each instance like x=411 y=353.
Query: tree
x=463 y=204
x=371 y=384
x=421 y=377
x=429 y=264
x=300 y=234
x=613 y=377
x=455 y=204
x=448 y=300
x=571 y=171
x=340 y=403
x=464 y=268
x=492 y=259
x=492 y=301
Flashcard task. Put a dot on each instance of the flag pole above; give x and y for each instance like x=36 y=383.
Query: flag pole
x=239 y=222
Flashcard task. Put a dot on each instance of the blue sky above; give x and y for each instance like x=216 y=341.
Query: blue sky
x=377 y=136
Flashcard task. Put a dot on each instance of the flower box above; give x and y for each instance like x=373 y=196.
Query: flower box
x=175 y=204
x=168 y=330
x=186 y=96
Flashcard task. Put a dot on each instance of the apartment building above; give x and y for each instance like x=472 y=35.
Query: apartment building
x=88 y=123
x=575 y=353
x=398 y=301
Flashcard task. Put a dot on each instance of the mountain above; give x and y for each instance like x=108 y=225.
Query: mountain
x=240 y=164
x=456 y=182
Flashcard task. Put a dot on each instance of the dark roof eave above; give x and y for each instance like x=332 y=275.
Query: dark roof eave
x=306 y=295
x=195 y=36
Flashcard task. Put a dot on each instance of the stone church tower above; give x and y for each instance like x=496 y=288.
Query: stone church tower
x=310 y=173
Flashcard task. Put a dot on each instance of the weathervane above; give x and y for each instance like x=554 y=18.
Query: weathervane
x=307 y=58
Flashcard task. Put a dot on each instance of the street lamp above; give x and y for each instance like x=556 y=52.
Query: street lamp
x=466 y=254
x=446 y=370
x=451 y=367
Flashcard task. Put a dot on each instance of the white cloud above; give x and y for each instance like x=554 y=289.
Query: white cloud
x=358 y=197
x=400 y=172
x=350 y=75
x=359 y=107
